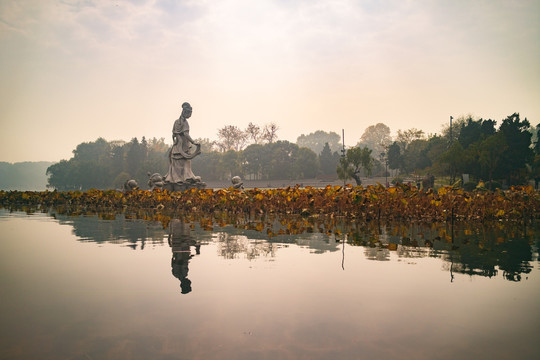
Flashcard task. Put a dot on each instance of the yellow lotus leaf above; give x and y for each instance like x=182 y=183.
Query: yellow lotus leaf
x=500 y=213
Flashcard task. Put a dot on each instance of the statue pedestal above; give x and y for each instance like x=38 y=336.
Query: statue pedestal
x=184 y=186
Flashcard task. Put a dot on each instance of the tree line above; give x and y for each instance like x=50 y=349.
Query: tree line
x=509 y=154
x=255 y=154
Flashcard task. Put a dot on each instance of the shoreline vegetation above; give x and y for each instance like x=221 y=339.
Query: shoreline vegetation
x=402 y=203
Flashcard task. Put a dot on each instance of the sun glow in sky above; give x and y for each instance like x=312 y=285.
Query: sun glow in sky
x=76 y=70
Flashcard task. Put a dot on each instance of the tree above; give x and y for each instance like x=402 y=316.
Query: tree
x=270 y=132
x=207 y=145
x=490 y=154
x=519 y=153
x=394 y=156
x=306 y=164
x=415 y=156
x=253 y=156
x=454 y=157
x=253 y=133
x=452 y=133
x=376 y=137
x=328 y=160
x=230 y=164
x=231 y=138
x=355 y=160
x=473 y=131
x=316 y=141
x=135 y=157
x=535 y=139
x=437 y=145
x=404 y=138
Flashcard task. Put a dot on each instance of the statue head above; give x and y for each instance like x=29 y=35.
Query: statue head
x=186 y=110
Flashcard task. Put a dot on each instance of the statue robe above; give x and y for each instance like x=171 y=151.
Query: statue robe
x=180 y=167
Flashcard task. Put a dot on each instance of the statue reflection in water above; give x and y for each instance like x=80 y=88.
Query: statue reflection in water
x=181 y=241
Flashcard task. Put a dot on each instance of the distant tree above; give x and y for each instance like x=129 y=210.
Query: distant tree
x=135 y=157
x=328 y=160
x=231 y=138
x=394 y=156
x=490 y=154
x=472 y=131
x=254 y=133
x=535 y=139
x=207 y=145
x=209 y=166
x=454 y=131
x=253 y=156
x=230 y=164
x=316 y=141
x=516 y=133
x=355 y=160
x=26 y=175
x=405 y=137
x=415 y=156
x=269 y=133
x=437 y=145
x=306 y=164
x=92 y=151
x=455 y=159
x=283 y=154
x=376 y=137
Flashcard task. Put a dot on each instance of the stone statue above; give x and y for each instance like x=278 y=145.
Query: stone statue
x=155 y=181
x=237 y=183
x=180 y=176
x=130 y=185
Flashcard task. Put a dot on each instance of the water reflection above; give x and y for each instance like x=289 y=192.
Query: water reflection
x=260 y=296
x=113 y=228
x=474 y=249
x=181 y=241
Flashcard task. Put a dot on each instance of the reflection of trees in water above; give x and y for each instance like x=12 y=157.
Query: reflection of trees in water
x=377 y=253
x=473 y=249
x=231 y=246
x=110 y=228
x=483 y=249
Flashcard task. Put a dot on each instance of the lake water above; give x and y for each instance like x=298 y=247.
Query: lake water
x=87 y=287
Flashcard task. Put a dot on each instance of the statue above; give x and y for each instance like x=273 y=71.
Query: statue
x=180 y=176
x=155 y=181
x=237 y=183
x=130 y=185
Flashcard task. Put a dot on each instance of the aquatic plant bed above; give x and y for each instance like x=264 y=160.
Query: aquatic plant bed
x=403 y=203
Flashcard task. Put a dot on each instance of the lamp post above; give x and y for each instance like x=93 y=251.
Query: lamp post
x=343 y=150
x=451 y=118
x=385 y=159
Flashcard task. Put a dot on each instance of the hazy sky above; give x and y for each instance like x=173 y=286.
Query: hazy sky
x=74 y=70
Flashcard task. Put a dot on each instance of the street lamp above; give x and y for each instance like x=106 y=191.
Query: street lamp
x=343 y=151
x=451 y=118
x=385 y=158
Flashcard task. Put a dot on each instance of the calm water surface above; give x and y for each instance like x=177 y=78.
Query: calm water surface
x=87 y=288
